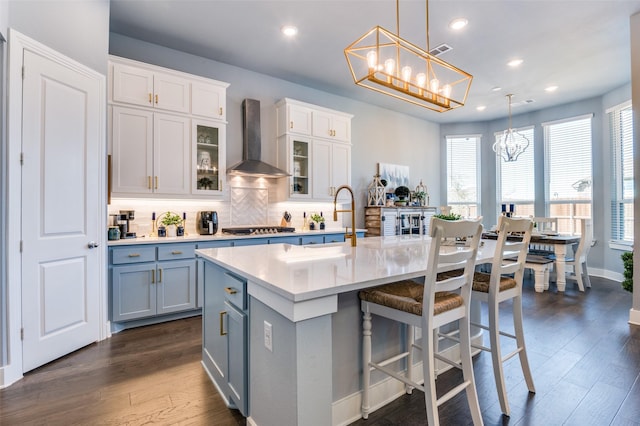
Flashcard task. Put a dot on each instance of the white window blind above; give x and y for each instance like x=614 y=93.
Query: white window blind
x=621 y=136
x=568 y=177
x=462 y=174
x=516 y=179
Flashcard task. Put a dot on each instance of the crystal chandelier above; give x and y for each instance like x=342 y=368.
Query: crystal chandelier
x=382 y=61
x=511 y=144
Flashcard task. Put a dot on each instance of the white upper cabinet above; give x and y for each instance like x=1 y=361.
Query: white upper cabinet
x=168 y=131
x=332 y=126
x=150 y=152
x=314 y=146
x=209 y=100
x=295 y=119
x=143 y=87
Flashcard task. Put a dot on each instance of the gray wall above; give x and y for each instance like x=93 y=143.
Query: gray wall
x=4 y=16
x=378 y=135
x=600 y=257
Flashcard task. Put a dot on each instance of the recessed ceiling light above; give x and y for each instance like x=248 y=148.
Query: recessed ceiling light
x=458 y=23
x=496 y=89
x=481 y=108
x=551 y=89
x=289 y=30
x=515 y=62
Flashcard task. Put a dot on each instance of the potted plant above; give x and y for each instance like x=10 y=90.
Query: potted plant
x=318 y=218
x=627 y=260
x=451 y=216
x=204 y=183
x=171 y=221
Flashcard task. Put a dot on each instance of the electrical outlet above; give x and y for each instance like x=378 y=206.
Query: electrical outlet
x=268 y=336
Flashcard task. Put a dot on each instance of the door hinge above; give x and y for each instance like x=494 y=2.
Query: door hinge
x=20 y=246
x=22 y=158
x=23 y=72
x=22 y=333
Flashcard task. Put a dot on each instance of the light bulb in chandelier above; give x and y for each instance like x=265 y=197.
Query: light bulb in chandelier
x=372 y=59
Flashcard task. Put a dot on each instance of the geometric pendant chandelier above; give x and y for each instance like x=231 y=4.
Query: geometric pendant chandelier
x=511 y=144
x=383 y=61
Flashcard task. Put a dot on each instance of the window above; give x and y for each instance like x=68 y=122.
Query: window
x=621 y=134
x=568 y=171
x=516 y=179
x=463 y=183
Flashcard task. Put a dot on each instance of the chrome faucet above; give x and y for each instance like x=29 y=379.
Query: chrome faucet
x=351 y=235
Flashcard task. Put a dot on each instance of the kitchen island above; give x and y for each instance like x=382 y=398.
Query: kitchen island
x=299 y=311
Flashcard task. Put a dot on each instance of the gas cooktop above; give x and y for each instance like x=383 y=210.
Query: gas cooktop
x=257 y=230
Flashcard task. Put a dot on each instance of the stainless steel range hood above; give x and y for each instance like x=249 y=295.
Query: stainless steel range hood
x=251 y=164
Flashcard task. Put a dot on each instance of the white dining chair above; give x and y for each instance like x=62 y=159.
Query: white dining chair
x=578 y=262
x=427 y=306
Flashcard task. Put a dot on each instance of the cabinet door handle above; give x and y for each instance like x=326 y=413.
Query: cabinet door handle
x=291 y=124
x=156 y=99
x=149 y=182
x=134 y=254
x=150 y=98
x=222 y=314
x=220 y=110
x=156 y=182
x=230 y=290
x=176 y=252
x=153 y=276
x=160 y=275
x=220 y=185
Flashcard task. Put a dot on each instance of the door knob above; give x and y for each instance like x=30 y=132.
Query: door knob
x=92 y=244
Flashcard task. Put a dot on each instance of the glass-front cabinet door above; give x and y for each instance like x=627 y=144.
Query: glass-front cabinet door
x=208 y=156
x=300 y=168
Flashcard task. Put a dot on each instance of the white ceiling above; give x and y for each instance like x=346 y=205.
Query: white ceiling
x=580 y=46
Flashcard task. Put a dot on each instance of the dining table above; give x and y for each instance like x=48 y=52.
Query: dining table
x=560 y=244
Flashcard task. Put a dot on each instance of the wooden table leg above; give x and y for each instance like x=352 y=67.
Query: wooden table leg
x=560 y=251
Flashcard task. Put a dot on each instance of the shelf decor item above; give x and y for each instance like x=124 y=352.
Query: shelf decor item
x=317 y=218
x=421 y=194
x=376 y=192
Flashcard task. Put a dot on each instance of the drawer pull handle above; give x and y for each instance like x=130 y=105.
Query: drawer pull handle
x=149 y=182
x=150 y=99
x=153 y=276
x=230 y=290
x=222 y=314
x=176 y=252
x=156 y=99
x=160 y=275
x=134 y=254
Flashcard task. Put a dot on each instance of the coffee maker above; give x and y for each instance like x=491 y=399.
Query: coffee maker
x=124 y=223
x=207 y=222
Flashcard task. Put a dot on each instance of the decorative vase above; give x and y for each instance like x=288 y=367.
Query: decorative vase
x=321 y=226
x=312 y=226
x=171 y=231
x=162 y=231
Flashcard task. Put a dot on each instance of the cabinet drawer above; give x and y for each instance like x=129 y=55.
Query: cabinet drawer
x=315 y=239
x=133 y=254
x=234 y=290
x=176 y=251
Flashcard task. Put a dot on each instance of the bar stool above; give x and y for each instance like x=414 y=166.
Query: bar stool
x=498 y=287
x=428 y=307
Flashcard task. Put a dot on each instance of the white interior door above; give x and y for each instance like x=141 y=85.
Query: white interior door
x=61 y=209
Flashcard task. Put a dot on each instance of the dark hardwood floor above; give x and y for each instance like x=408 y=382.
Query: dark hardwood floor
x=585 y=360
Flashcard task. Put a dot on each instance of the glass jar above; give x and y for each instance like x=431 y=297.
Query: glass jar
x=114 y=233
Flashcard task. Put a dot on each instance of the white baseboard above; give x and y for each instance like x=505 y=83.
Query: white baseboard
x=8 y=376
x=348 y=409
x=634 y=316
x=605 y=273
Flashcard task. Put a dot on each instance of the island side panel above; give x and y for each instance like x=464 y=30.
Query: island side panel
x=290 y=385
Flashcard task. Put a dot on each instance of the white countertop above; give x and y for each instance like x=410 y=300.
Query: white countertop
x=302 y=273
x=219 y=236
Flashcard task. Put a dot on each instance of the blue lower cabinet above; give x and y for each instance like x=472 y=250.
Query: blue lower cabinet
x=313 y=239
x=225 y=335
